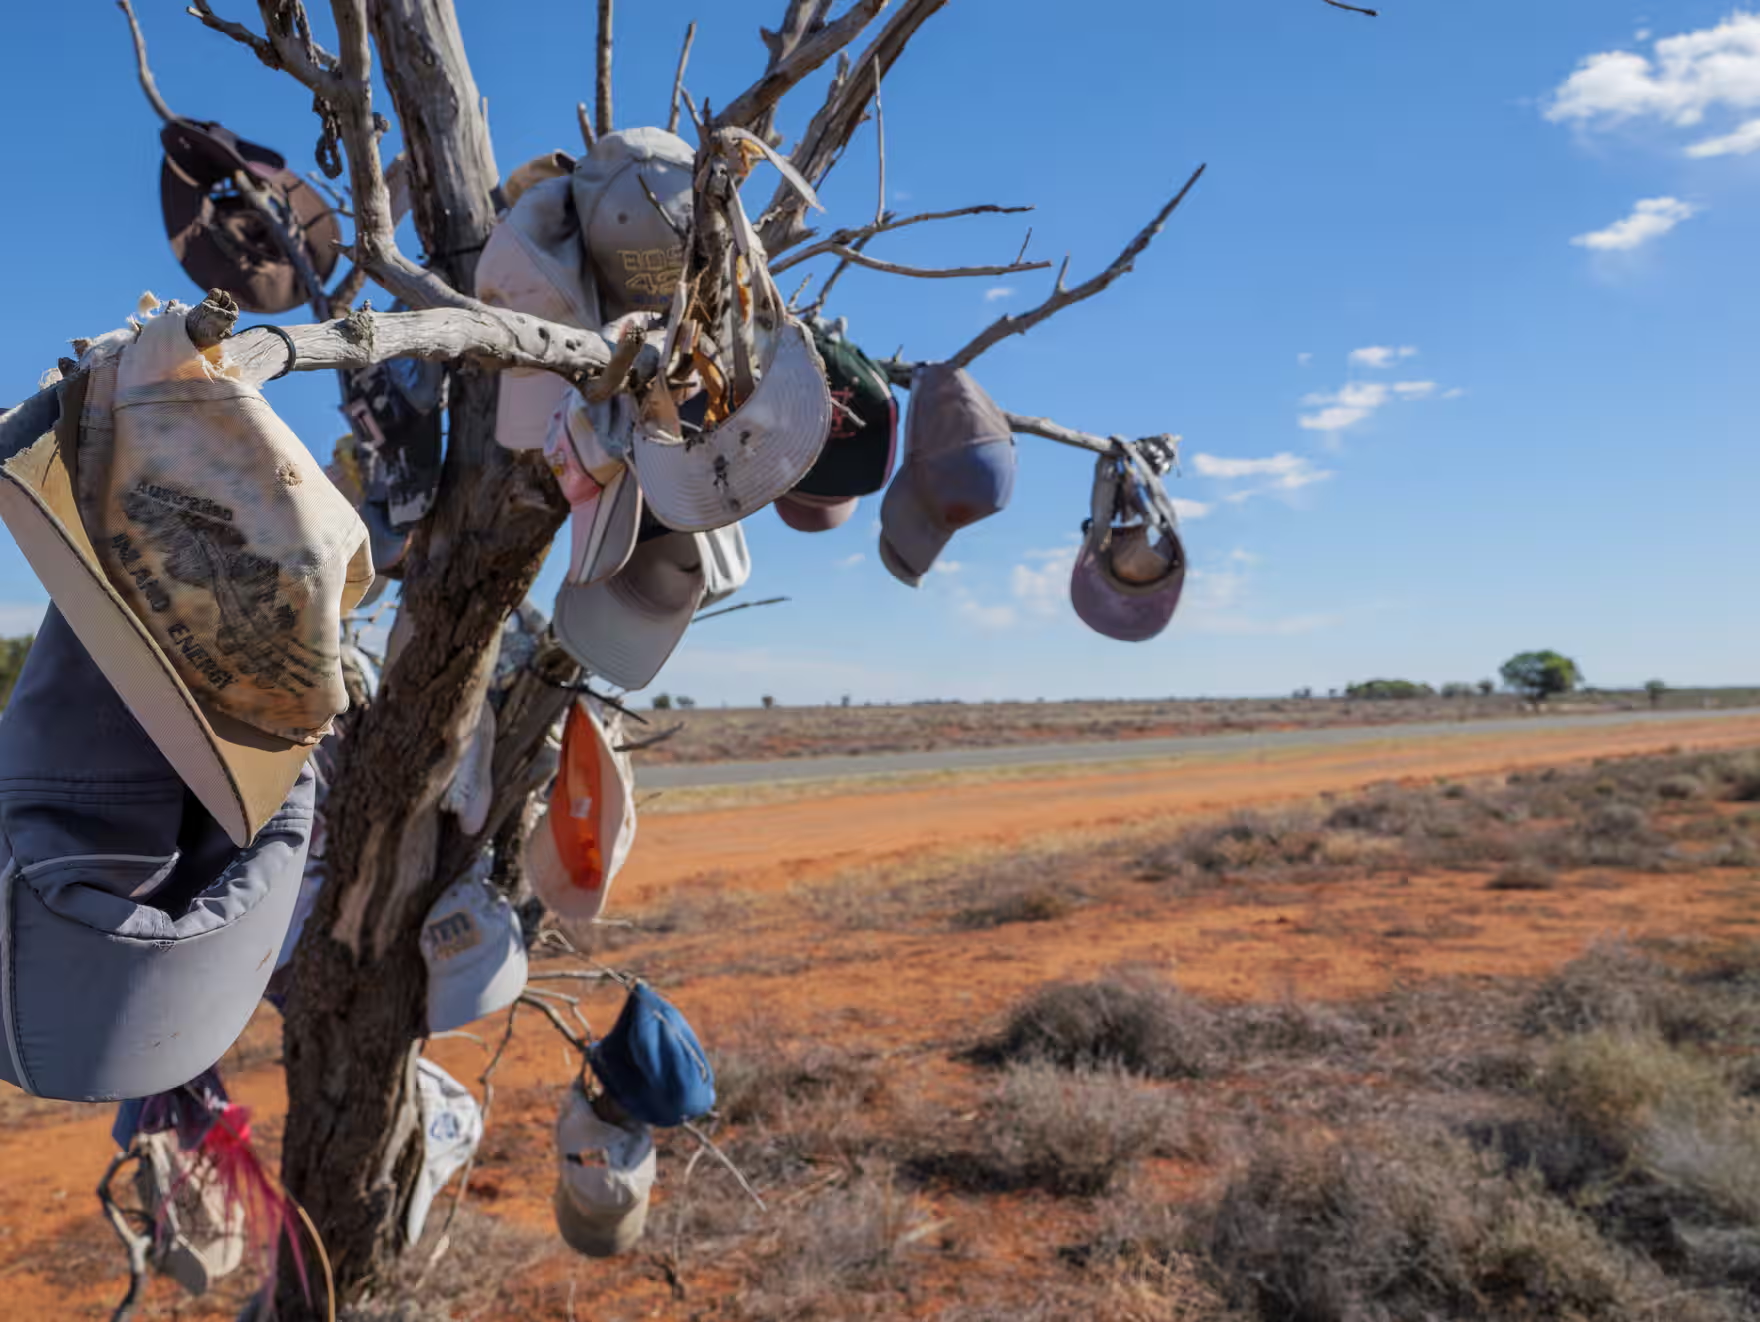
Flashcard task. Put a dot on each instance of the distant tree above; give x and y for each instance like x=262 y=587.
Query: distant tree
x=1487 y=687
x=846 y=700
x=1654 y=689
x=662 y=702
x=683 y=702
x=1457 y=690
x=1303 y=693
x=768 y=701
x=1382 y=690
x=1537 y=676
x=12 y=654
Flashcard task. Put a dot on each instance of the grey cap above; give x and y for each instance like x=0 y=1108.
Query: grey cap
x=624 y=628
x=1127 y=580
x=958 y=469
x=605 y=1174
x=135 y=938
x=634 y=248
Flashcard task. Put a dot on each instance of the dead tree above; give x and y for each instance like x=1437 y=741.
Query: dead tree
x=356 y=1013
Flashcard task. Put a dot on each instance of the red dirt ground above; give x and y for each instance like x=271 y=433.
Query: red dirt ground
x=926 y=989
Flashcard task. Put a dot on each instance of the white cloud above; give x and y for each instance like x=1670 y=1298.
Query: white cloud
x=1414 y=389
x=1650 y=219
x=947 y=567
x=1349 y=405
x=1189 y=509
x=1287 y=471
x=1455 y=393
x=1214 y=599
x=851 y=561
x=1303 y=359
x=1682 y=79
x=995 y=618
x=997 y=292
x=1041 y=583
x=1381 y=355
x=1743 y=142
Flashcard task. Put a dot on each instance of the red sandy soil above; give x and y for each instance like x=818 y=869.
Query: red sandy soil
x=918 y=991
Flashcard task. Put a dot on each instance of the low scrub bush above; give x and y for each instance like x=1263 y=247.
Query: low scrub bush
x=1127 y=1021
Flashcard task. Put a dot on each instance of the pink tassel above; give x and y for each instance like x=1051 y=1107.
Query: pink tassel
x=226 y=1155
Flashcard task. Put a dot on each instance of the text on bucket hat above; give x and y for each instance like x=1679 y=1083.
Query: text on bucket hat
x=475 y=954
x=605 y=1173
x=635 y=247
x=135 y=938
x=652 y=1064
x=218 y=235
x=581 y=842
x=958 y=469
x=118 y=596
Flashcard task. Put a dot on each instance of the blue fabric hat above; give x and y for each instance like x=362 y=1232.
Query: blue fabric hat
x=652 y=1064
x=135 y=938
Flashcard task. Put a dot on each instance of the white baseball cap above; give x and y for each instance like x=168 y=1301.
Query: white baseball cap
x=475 y=954
x=452 y=1126
x=585 y=834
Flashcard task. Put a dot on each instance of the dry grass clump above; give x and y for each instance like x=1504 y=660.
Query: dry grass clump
x=488 y=1259
x=1524 y=874
x=1408 y=1222
x=1066 y=1132
x=1040 y=904
x=1128 y=1021
x=1614 y=987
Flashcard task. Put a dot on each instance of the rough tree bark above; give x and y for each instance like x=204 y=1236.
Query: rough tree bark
x=355 y=1018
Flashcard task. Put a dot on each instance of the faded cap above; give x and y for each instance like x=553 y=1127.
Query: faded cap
x=634 y=247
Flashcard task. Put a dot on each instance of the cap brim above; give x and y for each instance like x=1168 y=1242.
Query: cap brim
x=602 y=532
x=241 y=775
x=814 y=516
x=598 y=1234
x=458 y=998
x=1130 y=613
x=615 y=637
x=762 y=450
x=910 y=537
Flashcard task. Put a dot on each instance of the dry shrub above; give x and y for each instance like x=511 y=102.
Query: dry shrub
x=847 y=1253
x=1127 y=1021
x=1739 y=776
x=1524 y=874
x=1405 y=1223
x=1042 y=904
x=1614 y=987
x=1680 y=787
x=1067 y=1132
x=476 y=1273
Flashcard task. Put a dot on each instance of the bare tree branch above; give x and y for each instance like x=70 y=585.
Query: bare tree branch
x=880 y=149
x=784 y=72
x=783 y=224
x=135 y=1244
x=1355 y=9
x=1061 y=297
x=554 y=1016
x=684 y=59
x=289 y=49
x=148 y=86
x=856 y=238
x=930 y=273
x=602 y=86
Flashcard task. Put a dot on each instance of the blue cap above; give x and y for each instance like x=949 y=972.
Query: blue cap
x=652 y=1064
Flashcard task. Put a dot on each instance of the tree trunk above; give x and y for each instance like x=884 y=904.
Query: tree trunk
x=356 y=1014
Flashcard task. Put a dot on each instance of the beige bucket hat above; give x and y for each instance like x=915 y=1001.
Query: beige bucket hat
x=200 y=555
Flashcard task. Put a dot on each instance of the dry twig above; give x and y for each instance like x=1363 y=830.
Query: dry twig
x=148 y=86
x=684 y=59
x=1355 y=9
x=880 y=149
x=801 y=45
x=1061 y=297
x=930 y=273
x=602 y=86
x=884 y=224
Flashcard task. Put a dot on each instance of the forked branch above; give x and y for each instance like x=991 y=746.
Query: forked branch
x=800 y=55
x=1061 y=297
x=856 y=237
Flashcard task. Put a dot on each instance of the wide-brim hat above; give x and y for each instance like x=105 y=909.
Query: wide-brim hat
x=248 y=262
x=624 y=628
x=1116 y=607
x=761 y=450
x=241 y=774
x=135 y=938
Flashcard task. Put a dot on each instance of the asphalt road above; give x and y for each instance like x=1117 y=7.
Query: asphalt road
x=699 y=775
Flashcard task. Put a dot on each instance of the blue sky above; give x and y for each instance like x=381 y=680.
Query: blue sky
x=1458 y=327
